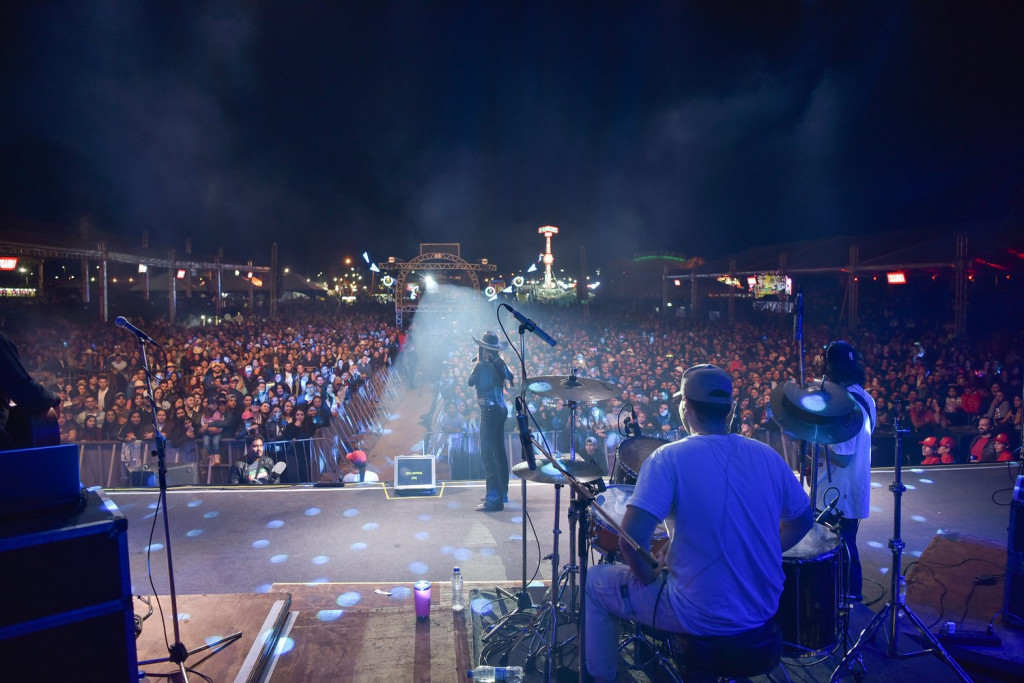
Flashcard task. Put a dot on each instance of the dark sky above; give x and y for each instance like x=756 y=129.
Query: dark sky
x=334 y=128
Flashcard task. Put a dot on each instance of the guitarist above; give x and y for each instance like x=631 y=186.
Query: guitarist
x=28 y=417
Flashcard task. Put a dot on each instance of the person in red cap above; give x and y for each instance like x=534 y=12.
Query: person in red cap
x=358 y=460
x=1001 y=444
x=946 y=446
x=928 y=451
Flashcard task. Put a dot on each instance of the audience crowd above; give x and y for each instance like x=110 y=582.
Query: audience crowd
x=943 y=385
x=279 y=379
x=286 y=377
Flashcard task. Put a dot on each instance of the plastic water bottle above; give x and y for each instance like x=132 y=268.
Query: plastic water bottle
x=513 y=674
x=458 y=598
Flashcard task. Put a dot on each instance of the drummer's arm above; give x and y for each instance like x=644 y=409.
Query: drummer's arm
x=639 y=525
x=792 y=530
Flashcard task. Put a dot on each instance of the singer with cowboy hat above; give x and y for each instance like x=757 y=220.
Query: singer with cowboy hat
x=489 y=375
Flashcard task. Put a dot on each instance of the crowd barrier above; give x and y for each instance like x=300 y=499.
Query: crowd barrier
x=364 y=415
x=111 y=465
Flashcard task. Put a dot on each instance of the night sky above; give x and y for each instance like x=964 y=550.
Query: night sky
x=338 y=128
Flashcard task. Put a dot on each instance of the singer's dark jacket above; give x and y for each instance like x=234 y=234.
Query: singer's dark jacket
x=489 y=377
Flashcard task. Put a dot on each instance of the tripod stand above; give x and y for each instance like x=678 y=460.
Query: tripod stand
x=897 y=605
x=177 y=652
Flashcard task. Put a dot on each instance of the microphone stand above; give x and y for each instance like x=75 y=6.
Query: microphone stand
x=897 y=605
x=177 y=652
x=524 y=602
x=583 y=499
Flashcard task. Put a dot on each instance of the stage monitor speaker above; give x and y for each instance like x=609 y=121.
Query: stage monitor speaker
x=177 y=475
x=414 y=473
x=66 y=610
x=1013 y=596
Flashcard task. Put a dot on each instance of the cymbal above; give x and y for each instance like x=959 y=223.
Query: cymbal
x=822 y=412
x=572 y=388
x=547 y=474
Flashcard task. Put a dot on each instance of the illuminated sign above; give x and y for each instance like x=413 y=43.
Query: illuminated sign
x=898 y=278
x=8 y=263
x=770 y=284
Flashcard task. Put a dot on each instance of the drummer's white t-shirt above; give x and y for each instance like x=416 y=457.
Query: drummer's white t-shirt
x=723 y=497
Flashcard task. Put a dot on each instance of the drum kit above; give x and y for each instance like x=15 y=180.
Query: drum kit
x=813 y=613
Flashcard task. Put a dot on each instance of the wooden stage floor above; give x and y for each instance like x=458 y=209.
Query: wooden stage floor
x=330 y=548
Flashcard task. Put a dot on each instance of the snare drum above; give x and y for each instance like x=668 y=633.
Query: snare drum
x=809 y=614
x=630 y=455
x=605 y=539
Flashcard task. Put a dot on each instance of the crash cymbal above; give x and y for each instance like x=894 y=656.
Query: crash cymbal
x=822 y=412
x=572 y=388
x=547 y=474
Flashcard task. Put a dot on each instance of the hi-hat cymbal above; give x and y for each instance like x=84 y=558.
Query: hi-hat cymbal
x=822 y=412
x=546 y=473
x=572 y=388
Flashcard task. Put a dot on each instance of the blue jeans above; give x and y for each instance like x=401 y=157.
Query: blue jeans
x=607 y=603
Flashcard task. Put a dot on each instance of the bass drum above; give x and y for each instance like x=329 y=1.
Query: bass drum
x=630 y=455
x=809 y=614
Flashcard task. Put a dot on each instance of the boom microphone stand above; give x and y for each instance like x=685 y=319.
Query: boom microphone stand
x=897 y=604
x=524 y=603
x=177 y=652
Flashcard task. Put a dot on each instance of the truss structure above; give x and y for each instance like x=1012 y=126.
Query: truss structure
x=434 y=261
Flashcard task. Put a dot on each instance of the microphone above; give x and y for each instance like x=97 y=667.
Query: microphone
x=827 y=512
x=524 y=434
x=123 y=323
x=636 y=425
x=734 y=421
x=531 y=326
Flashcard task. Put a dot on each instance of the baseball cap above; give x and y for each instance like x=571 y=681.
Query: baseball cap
x=356 y=457
x=706 y=383
x=841 y=353
x=946 y=441
x=929 y=442
x=1003 y=437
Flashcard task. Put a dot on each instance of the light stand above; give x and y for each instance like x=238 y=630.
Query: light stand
x=888 y=615
x=177 y=652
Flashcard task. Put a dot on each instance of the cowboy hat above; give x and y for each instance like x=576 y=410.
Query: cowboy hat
x=489 y=340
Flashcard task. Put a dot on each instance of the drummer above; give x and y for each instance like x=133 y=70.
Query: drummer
x=733 y=507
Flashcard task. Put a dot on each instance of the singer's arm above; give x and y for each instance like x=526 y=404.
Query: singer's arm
x=842 y=454
x=840 y=460
x=792 y=530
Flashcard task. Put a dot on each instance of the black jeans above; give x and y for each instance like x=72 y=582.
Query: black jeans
x=848 y=532
x=492 y=451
